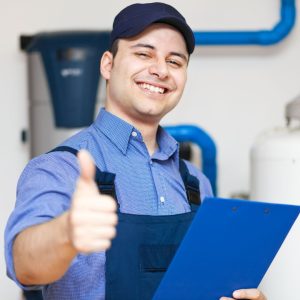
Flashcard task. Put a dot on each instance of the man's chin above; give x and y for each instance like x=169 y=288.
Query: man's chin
x=150 y=115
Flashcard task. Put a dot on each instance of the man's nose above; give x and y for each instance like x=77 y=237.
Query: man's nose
x=159 y=69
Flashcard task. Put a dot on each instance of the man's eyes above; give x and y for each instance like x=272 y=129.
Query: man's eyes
x=142 y=54
x=173 y=62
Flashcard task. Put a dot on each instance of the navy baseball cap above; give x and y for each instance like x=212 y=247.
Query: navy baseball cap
x=135 y=18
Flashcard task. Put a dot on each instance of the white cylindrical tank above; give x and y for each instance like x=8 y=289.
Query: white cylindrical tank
x=275 y=177
x=275 y=167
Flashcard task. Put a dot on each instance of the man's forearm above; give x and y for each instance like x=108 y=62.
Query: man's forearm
x=43 y=253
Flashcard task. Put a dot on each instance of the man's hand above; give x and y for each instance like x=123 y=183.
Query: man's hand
x=250 y=294
x=92 y=216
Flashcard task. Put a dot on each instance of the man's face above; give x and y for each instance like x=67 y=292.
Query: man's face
x=146 y=78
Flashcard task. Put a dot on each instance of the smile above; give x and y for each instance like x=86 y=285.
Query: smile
x=152 y=88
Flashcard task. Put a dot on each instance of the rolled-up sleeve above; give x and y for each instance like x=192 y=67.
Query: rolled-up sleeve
x=44 y=191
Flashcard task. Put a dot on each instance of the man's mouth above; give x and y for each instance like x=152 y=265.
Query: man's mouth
x=152 y=88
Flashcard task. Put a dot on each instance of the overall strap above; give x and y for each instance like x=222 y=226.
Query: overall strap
x=191 y=184
x=104 y=180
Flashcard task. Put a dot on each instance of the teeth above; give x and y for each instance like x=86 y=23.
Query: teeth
x=151 y=88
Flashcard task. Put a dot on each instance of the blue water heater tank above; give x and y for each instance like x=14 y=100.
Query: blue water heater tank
x=63 y=76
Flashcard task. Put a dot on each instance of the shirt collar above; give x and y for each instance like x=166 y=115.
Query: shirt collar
x=119 y=132
x=168 y=146
x=116 y=130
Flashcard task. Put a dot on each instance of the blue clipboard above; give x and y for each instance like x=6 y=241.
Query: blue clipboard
x=229 y=245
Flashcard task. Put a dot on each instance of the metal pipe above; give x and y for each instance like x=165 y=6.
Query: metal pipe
x=194 y=134
x=259 y=37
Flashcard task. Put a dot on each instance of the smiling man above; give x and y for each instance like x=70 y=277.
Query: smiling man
x=146 y=78
x=63 y=235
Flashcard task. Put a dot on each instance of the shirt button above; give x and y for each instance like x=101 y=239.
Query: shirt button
x=134 y=134
x=162 y=199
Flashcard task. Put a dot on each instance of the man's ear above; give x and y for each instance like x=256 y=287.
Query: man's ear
x=106 y=64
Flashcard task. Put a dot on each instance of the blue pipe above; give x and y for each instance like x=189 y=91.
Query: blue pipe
x=194 y=134
x=260 y=37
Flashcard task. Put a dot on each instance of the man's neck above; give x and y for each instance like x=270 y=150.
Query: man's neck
x=149 y=135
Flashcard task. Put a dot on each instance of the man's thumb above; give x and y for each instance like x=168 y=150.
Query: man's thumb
x=87 y=165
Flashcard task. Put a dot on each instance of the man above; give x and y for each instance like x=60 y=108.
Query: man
x=61 y=227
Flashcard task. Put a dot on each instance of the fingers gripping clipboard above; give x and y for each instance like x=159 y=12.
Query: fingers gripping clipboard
x=229 y=245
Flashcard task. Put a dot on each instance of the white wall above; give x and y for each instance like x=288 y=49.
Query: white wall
x=233 y=92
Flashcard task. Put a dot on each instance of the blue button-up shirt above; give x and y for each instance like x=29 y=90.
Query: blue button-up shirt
x=145 y=184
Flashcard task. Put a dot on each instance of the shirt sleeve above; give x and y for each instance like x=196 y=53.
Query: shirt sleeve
x=205 y=186
x=44 y=191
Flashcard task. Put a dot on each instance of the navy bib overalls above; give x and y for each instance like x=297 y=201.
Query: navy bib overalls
x=144 y=245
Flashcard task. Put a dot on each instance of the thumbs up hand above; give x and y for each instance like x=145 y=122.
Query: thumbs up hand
x=92 y=216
